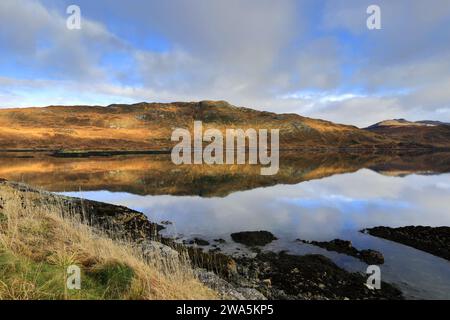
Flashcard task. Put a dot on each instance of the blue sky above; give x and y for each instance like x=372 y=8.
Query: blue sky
x=313 y=57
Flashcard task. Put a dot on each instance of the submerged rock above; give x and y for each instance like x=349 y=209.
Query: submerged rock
x=253 y=238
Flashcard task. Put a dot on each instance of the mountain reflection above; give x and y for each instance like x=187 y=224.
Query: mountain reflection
x=157 y=175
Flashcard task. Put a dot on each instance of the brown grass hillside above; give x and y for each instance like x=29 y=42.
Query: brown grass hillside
x=148 y=126
x=40 y=238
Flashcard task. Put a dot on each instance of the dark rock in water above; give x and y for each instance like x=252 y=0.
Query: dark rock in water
x=285 y=276
x=199 y=242
x=253 y=238
x=434 y=240
x=220 y=240
x=166 y=222
x=368 y=256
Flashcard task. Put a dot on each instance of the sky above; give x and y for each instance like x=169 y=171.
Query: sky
x=316 y=58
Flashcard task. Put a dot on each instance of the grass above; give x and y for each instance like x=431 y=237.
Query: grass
x=37 y=245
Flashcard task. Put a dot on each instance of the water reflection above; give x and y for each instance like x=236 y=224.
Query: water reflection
x=313 y=197
x=324 y=209
x=157 y=175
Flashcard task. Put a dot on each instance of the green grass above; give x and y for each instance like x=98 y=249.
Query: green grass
x=29 y=279
x=116 y=278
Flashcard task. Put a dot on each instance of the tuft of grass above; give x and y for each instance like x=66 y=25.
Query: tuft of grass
x=115 y=277
x=40 y=239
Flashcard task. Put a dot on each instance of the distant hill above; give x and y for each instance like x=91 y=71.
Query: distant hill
x=406 y=123
x=426 y=132
x=148 y=126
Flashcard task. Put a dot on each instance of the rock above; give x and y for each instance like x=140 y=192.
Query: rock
x=434 y=240
x=227 y=290
x=220 y=240
x=117 y=222
x=251 y=293
x=371 y=256
x=253 y=238
x=309 y=277
x=154 y=249
x=368 y=256
x=199 y=242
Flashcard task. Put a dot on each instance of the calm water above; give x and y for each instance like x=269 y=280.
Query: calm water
x=309 y=201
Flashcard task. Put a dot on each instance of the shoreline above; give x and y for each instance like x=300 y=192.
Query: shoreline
x=115 y=152
x=268 y=275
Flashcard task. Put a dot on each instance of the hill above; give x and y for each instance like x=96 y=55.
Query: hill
x=425 y=132
x=148 y=126
x=42 y=234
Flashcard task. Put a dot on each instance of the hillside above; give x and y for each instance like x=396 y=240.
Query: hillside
x=420 y=132
x=41 y=235
x=148 y=126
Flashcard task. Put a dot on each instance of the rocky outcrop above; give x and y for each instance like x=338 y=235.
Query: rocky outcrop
x=117 y=221
x=434 y=240
x=285 y=276
x=368 y=256
x=225 y=289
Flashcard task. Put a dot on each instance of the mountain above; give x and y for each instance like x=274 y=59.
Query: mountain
x=426 y=132
x=148 y=126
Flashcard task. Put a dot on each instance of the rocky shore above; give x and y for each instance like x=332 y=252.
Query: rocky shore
x=434 y=240
x=266 y=276
x=308 y=277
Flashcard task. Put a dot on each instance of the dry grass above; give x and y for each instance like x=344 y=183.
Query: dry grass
x=37 y=245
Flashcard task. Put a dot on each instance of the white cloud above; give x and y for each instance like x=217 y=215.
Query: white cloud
x=261 y=54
